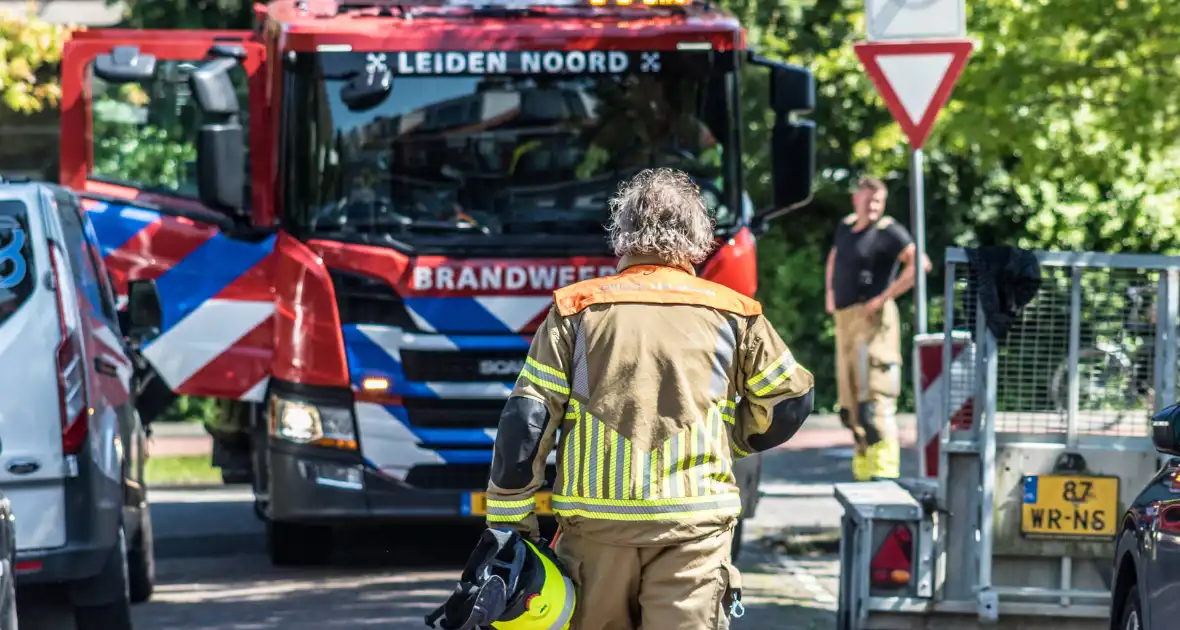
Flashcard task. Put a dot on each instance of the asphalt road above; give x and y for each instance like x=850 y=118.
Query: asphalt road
x=391 y=578
x=212 y=574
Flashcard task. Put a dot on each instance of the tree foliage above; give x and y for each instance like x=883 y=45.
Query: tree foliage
x=1061 y=134
x=30 y=48
x=206 y=14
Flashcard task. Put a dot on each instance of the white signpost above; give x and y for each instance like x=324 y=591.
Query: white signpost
x=915 y=52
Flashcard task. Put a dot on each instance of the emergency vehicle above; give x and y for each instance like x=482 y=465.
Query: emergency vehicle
x=378 y=201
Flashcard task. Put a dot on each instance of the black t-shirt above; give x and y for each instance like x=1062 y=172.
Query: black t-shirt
x=866 y=261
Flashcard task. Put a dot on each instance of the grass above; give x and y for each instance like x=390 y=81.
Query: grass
x=181 y=470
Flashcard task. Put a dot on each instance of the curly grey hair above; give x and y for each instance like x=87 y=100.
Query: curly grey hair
x=660 y=213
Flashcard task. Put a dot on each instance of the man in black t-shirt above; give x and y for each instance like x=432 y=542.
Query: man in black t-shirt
x=870 y=265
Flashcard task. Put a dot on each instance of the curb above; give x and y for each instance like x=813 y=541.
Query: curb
x=179 y=430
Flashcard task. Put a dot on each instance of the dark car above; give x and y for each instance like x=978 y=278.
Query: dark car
x=1145 y=593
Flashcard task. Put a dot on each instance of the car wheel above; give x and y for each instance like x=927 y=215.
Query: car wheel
x=296 y=544
x=736 y=546
x=1132 y=617
x=115 y=615
x=141 y=561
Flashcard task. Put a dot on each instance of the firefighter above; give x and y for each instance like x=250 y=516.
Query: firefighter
x=656 y=382
x=862 y=283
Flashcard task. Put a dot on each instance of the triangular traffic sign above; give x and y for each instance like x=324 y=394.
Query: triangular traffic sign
x=915 y=79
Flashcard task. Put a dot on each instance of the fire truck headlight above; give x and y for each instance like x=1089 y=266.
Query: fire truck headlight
x=295 y=421
x=338 y=427
x=308 y=424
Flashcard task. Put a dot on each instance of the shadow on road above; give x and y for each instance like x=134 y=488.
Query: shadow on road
x=264 y=598
x=387 y=577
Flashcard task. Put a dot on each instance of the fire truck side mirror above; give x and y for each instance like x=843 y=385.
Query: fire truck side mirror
x=221 y=154
x=125 y=64
x=793 y=161
x=792 y=93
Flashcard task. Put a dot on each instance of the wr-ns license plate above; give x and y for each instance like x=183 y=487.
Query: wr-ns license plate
x=1069 y=506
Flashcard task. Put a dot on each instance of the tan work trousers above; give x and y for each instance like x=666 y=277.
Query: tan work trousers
x=679 y=587
x=868 y=382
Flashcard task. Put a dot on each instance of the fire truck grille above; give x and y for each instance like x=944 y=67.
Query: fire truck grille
x=467 y=367
x=366 y=300
x=453 y=413
x=461 y=476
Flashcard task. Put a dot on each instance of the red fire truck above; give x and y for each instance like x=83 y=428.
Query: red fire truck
x=356 y=215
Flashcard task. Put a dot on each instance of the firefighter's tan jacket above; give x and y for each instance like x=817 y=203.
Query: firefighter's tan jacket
x=656 y=381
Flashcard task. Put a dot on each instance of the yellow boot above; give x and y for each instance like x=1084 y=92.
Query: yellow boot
x=861 y=470
x=883 y=460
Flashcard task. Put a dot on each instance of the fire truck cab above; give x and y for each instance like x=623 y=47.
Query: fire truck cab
x=356 y=215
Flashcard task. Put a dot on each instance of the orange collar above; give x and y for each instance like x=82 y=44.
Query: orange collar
x=627 y=262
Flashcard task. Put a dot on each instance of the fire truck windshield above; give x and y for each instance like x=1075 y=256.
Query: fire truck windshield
x=498 y=143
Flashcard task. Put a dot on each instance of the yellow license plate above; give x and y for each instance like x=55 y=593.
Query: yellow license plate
x=478 y=502
x=1069 y=506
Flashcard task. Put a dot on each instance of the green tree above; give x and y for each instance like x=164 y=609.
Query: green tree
x=30 y=48
x=1060 y=135
x=203 y=14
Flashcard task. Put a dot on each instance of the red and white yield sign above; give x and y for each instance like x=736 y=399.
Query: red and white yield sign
x=915 y=79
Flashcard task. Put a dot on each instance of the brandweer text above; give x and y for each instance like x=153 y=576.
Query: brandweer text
x=509 y=278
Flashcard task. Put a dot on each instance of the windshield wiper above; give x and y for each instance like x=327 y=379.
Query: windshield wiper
x=554 y=226
x=443 y=226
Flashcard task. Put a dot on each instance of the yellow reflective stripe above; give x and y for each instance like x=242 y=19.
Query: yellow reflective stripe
x=706 y=467
x=510 y=511
x=545 y=376
x=493 y=518
x=666 y=479
x=727 y=413
x=693 y=437
x=724 y=453
x=497 y=506
x=574 y=452
x=639 y=503
x=647 y=509
x=774 y=374
x=614 y=470
x=676 y=489
x=584 y=453
x=545 y=369
x=654 y=479
x=627 y=489
x=600 y=431
x=776 y=382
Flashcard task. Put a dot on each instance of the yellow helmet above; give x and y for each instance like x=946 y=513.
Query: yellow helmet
x=509 y=584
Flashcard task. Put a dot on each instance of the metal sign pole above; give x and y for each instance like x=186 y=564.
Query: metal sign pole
x=918 y=221
x=918 y=218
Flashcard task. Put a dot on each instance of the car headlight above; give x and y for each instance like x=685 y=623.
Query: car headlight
x=309 y=424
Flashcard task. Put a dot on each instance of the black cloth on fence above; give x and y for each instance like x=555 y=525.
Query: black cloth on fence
x=1005 y=279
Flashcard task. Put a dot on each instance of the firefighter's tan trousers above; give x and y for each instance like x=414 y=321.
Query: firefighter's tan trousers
x=681 y=587
x=868 y=380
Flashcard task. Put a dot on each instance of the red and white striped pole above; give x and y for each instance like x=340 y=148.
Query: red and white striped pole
x=933 y=407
